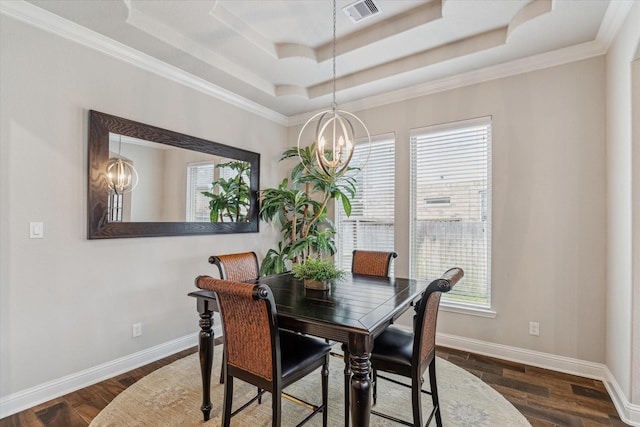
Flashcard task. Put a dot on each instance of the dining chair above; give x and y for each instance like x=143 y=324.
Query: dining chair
x=372 y=263
x=409 y=354
x=258 y=353
x=238 y=267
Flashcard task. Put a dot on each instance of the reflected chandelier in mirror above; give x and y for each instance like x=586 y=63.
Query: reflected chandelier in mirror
x=186 y=185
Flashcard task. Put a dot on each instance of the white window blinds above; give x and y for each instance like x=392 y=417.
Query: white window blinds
x=371 y=224
x=451 y=207
x=200 y=176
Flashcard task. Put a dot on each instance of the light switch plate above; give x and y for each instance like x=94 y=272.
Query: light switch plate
x=36 y=230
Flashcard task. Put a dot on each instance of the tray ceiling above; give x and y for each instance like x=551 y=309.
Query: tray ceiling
x=276 y=54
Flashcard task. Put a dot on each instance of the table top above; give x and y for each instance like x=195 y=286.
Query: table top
x=355 y=304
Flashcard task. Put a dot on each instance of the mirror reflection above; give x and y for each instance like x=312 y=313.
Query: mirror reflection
x=175 y=184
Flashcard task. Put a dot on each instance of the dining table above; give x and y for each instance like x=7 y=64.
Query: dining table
x=354 y=311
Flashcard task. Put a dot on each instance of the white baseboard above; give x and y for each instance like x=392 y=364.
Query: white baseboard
x=33 y=396
x=628 y=412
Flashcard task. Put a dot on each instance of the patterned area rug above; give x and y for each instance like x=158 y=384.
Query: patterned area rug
x=171 y=396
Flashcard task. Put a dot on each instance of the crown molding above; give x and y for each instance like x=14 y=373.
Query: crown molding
x=520 y=66
x=52 y=23
x=614 y=17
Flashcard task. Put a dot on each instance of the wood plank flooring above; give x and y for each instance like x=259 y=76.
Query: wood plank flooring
x=546 y=398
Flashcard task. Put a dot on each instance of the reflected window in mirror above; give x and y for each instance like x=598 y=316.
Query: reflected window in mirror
x=115 y=206
x=200 y=177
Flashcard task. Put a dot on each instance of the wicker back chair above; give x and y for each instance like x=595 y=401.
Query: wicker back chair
x=240 y=267
x=410 y=354
x=257 y=352
x=372 y=263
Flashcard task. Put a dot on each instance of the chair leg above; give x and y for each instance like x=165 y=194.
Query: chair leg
x=347 y=384
x=375 y=384
x=434 y=392
x=276 y=406
x=228 y=400
x=416 y=404
x=222 y=370
x=325 y=391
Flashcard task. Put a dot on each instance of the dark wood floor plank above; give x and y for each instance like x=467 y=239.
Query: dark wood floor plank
x=571 y=406
x=596 y=423
x=535 y=422
x=475 y=365
x=60 y=414
x=547 y=373
x=109 y=389
x=503 y=364
x=90 y=409
x=549 y=415
x=529 y=388
x=22 y=419
x=590 y=392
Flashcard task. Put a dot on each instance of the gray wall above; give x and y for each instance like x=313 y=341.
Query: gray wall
x=548 y=203
x=68 y=303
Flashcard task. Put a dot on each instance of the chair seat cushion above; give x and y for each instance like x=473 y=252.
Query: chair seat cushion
x=297 y=351
x=393 y=346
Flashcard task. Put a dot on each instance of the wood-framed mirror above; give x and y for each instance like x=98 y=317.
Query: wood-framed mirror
x=180 y=179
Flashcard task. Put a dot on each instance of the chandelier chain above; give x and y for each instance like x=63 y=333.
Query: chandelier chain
x=334 y=104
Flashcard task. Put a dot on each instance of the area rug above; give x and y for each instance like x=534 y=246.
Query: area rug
x=171 y=396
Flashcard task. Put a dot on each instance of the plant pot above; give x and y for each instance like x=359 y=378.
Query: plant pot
x=321 y=285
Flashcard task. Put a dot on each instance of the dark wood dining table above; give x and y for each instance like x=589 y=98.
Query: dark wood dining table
x=354 y=311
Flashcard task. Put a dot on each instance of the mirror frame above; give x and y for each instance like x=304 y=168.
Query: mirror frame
x=100 y=125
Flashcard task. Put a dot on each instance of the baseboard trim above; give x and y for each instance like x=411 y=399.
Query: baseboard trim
x=33 y=396
x=628 y=412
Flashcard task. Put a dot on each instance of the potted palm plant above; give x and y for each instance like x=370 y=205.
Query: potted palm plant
x=299 y=206
x=317 y=273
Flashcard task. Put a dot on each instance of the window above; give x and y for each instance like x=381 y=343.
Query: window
x=200 y=177
x=114 y=208
x=371 y=224
x=450 y=208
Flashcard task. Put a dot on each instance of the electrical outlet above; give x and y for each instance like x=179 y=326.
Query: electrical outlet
x=534 y=328
x=136 y=330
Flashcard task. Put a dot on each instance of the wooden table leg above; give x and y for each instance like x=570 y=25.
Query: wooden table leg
x=360 y=389
x=206 y=353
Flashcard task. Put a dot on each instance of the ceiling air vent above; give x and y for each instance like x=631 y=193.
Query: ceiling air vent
x=361 y=10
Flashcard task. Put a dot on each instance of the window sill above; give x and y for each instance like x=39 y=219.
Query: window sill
x=469 y=310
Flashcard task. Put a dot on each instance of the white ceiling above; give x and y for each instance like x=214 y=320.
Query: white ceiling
x=276 y=54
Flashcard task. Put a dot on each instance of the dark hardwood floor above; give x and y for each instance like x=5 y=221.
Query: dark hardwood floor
x=546 y=398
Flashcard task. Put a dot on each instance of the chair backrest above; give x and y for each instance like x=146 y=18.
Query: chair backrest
x=424 y=344
x=237 y=267
x=372 y=263
x=249 y=320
